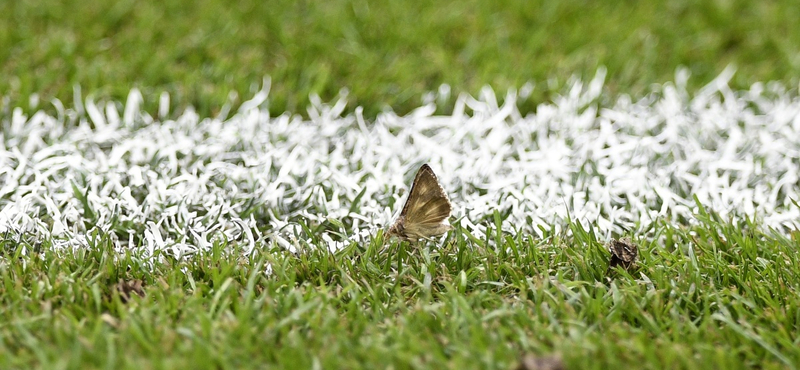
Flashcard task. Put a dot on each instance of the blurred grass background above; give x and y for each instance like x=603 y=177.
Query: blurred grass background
x=386 y=53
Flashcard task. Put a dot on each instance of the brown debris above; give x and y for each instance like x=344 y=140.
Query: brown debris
x=110 y=320
x=533 y=362
x=125 y=288
x=623 y=253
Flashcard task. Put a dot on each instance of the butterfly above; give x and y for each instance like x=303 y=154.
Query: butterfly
x=623 y=253
x=426 y=210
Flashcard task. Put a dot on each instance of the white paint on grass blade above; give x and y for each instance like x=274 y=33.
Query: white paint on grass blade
x=181 y=184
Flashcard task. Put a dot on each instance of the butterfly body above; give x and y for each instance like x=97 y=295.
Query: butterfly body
x=426 y=210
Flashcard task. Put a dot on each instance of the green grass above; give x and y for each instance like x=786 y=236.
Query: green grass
x=715 y=295
x=712 y=295
x=387 y=53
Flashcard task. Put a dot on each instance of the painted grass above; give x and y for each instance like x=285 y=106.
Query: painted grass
x=181 y=182
x=714 y=291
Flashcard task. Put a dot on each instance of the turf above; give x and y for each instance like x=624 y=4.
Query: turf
x=246 y=265
x=710 y=297
x=387 y=54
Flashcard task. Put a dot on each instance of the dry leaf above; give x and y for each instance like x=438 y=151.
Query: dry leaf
x=623 y=253
x=533 y=362
x=110 y=320
x=125 y=288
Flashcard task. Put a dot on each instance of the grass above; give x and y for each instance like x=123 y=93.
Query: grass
x=387 y=54
x=714 y=295
x=707 y=294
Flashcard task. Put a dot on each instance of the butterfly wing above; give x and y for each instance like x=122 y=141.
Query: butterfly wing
x=427 y=202
x=426 y=209
x=427 y=206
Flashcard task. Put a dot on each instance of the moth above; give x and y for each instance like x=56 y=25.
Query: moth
x=427 y=209
x=623 y=253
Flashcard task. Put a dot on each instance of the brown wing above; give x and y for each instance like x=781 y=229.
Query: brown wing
x=427 y=202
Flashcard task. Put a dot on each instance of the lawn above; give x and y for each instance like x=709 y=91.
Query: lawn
x=713 y=298
x=387 y=54
x=179 y=210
